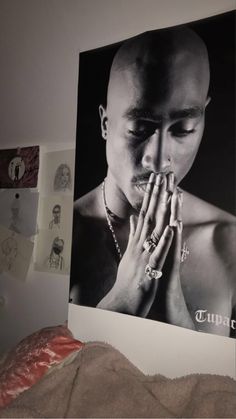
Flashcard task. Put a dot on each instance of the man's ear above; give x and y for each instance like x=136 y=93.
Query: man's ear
x=103 y=117
x=207 y=101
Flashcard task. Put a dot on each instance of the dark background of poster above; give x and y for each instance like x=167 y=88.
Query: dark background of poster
x=213 y=175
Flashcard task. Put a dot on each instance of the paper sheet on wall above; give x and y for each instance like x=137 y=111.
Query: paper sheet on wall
x=53 y=251
x=15 y=253
x=19 y=209
x=19 y=167
x=55 y=213
x=58 y=172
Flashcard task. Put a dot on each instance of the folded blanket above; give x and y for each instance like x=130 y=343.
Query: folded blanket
x=100 y=382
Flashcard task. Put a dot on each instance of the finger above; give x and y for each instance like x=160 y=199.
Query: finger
x=163 y=191
x=145 y=203
x=173 y=209
x=163 y=207
x=158 y=257
x=149 y=220
x=178 y=243
x=132 y=229
x=155 y=193
x=176 y=207
x=180 y=203
x=170 y=182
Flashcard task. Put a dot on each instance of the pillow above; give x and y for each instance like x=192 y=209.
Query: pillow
x=32 y=358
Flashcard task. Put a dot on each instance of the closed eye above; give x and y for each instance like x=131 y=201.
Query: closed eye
x=184 y=128
x=182 y=133
x=142 y=130
x=139 y=133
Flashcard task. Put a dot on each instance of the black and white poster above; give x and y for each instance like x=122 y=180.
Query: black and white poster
x=154 y=212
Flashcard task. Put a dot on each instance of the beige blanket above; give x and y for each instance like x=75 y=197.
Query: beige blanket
x=100 y=382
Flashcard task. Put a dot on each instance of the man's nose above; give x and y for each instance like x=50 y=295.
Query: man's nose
x=156 y=154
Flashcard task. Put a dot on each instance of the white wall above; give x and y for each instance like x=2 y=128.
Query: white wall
x=40 y=42
x=39 y=301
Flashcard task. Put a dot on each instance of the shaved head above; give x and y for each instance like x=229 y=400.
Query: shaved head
x=157 y=54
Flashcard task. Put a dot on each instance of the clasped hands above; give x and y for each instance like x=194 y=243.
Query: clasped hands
x=155 y=234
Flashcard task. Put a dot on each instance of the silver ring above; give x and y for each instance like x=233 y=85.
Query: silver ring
x=149 y=245
x=152 y=273
x=155 y=238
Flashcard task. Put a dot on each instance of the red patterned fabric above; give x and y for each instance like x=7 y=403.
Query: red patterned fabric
x=32 y=358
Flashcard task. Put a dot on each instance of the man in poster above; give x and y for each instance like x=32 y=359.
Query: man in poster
x=141 y=245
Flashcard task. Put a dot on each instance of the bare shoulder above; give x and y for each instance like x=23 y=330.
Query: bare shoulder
x=87 y=216
x=89 y=204
x=225 y=247
x=201 y=215
x=215 y=229
x=199 y=212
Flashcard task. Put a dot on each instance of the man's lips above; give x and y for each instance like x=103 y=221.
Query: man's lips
x=141 y=183
x=140 y=180
x=141 y=186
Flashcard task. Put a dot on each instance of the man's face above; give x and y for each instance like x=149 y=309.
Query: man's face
x=154 y=122
x=58 y=246
x=56 y=214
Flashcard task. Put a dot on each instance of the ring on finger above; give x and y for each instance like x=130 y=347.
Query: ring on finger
x=155 y=238
x=152 y=273
x=149 y=245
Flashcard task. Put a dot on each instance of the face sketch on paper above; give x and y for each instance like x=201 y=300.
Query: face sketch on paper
x=56 y=260
x=56 y=220
x=9 y=249
x=62 y=179
x=16 y=169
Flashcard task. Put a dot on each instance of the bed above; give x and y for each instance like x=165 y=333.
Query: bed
x=51 y=374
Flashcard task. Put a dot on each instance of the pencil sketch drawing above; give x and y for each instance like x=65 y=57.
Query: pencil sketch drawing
x=56 y=260
x=9 y=250
x=56 y=220
x=62 y=180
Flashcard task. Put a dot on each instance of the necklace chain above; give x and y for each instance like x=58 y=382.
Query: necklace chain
x=107 y=212
x=184 y=251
